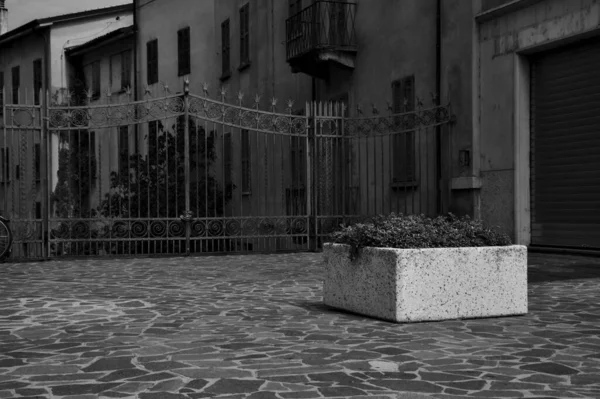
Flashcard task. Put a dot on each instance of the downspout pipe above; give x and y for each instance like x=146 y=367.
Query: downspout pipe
x=438 y=88
x=135 y=51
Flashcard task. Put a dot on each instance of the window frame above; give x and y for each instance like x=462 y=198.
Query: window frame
x=16 y=83
x=225 y=49
x=126 y=59
x=2 y=90
x=404 y=101
x=123 y=145
x=37 y=81
x=152 y=62
x=246 y=160
x=95 y=80
x=244 y=36
x=184 y=62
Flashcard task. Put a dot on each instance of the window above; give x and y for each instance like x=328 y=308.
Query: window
x=244 y=36
x=404 y=143
x=5 y=163
x=123 y=147
x=125 y=70
x=16 y=83
x=38 y=161
x=95 y=80
x=152 y=60
x=245 y=162
x=1 y=93
x=225 y=50
x=183 y=51
x=37 y=80
x=295 y=7
x=227 y=160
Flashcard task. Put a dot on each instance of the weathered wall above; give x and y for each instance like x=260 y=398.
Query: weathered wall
x=152 y=24
x=12 y=55
x=501 y=38
x=107 y=139
x=79 y=32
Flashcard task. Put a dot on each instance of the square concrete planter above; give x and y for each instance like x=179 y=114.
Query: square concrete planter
x=408 y=285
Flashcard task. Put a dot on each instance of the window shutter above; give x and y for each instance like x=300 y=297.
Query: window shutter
x=397 y=97
x=409 y=106
x=37 y=80
x=123 y=147
x=126 y=69
x=245 y=161
x=152 y=61
x=244 y=33
x=1 y=92
x=16 y=83
x=409 y=94
x=183 y=51
x=225 y=53
x=96 y=79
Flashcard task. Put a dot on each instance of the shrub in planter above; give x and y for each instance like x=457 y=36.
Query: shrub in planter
x=418 y=231
x=415 y=268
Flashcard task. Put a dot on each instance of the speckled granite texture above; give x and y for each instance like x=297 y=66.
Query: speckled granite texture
x=407 y=285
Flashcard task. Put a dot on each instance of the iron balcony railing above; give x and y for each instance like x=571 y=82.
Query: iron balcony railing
x=323 y=25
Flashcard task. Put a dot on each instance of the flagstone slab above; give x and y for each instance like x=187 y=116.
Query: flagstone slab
x=261 y=319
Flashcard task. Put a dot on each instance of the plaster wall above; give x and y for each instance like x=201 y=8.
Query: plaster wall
x=75 y=33
x=107 y=139
x=12 y=55
x=153 y=23
x=504 y=42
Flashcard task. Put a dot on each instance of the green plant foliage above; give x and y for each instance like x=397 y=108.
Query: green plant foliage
x=418 y=231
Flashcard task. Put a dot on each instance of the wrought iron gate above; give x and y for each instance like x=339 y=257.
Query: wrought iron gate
x=187 y=174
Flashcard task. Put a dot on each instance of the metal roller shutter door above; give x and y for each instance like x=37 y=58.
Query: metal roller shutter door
x=565 y=147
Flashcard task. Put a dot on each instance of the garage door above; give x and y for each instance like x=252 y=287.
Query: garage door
x=565 y=147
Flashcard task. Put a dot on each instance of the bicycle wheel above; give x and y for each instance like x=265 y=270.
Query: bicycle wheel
x=5 y=240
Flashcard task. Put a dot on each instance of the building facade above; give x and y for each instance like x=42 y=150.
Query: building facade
x=537 y=130
x=33 y=75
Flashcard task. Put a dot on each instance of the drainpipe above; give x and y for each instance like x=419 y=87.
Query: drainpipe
x=135 y=51
x=438 y=84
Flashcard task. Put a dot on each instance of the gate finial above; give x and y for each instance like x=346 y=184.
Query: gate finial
x=186 y=86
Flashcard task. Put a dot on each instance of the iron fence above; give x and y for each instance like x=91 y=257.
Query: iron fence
x=189 y=174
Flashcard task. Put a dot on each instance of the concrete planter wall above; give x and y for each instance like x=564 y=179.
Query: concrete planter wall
x=407 y=285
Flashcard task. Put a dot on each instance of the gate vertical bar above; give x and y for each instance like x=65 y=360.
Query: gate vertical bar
x=46 y=161
x=186 y=139
x=311 y=109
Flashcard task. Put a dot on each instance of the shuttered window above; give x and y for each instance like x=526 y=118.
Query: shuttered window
x=1 y=93
x=123 y=147
x=16 y=84
x=245 y=35
x=565 y=147
x=183 y=51
x=403 y=92
x=126 y=70
x=246 y=159
x=227 y=160
x=225 y=49
x=96 y=80
x=152 y=62
x=37 y=80
x=295 y=7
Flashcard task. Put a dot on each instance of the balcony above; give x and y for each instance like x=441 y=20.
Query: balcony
x=320 y=36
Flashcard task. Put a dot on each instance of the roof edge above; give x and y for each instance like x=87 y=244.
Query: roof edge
x=43 y=22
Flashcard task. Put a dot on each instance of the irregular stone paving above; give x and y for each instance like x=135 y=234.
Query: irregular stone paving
x=254 y=327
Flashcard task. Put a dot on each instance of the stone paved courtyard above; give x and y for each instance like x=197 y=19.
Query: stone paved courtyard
x=254 y=326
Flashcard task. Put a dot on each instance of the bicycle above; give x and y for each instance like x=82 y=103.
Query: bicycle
x=6 y=239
